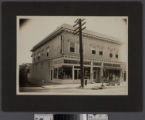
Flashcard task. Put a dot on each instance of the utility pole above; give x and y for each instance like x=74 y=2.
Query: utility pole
x=78 y=30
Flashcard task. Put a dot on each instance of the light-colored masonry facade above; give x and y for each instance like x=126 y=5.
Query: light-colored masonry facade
x=56 y=58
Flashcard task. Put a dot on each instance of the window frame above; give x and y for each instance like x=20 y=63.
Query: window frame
x=70 y=47
x=93 y=49
x=100 y=51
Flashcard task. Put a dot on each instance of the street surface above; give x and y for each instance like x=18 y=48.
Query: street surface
x=74 y=89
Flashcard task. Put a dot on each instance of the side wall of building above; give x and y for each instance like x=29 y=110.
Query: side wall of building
x=42 y=60
x=53 y=47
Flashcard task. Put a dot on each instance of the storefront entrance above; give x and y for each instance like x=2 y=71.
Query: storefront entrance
x=111 y=75
x=69 y=73
x=77 y=74
x=108 y=72
x=96 y=74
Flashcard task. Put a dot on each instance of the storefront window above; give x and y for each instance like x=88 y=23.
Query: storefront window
x=96 y=74
x=110 y=73
x=64 y=72
x=55 y=73
x=60 y=73
x=87 y=73
x=77 y=74
x=67 y=72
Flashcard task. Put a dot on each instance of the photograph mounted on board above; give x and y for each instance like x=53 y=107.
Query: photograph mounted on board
x=72 y=55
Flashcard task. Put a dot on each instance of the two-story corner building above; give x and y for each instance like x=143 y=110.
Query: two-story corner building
x=56 y=59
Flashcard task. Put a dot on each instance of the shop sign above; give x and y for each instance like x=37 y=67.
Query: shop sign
x=97 y=63
x=76 y=62
x=111 y=65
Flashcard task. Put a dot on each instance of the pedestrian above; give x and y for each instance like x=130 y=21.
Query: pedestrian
x=102 y=81
x=42 y=83
x=86 y=80
x=118 y=80
x=113 y=79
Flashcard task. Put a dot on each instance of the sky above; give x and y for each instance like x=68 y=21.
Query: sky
x=36 y=28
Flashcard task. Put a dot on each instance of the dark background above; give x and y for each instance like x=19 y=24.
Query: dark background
x=29 y=115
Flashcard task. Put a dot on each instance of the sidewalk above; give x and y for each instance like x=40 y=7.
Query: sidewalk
x=75 y=89
x=88 y=86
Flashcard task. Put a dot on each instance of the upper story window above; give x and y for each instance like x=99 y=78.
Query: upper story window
x=116 y=55
x=38 y=57
x=111 y=55
x=93 y=51
x=100 y=53
x=33 y=56
x=62 y=44
x=72 y=47
x=47 y=51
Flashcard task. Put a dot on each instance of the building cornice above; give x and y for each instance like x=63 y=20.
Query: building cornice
x=70 y=30
x=95 y=36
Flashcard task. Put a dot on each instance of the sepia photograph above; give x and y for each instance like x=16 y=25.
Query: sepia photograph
x=72 y=55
